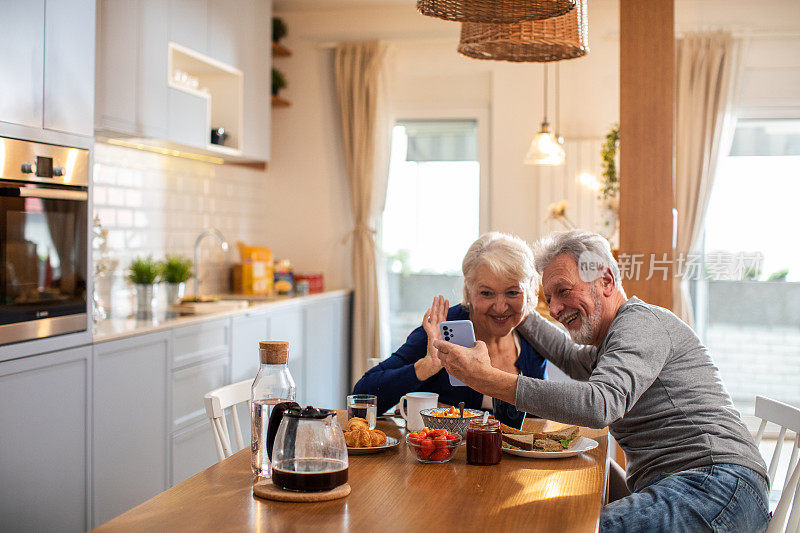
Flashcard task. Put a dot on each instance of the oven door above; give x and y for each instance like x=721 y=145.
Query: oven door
x=43 y=261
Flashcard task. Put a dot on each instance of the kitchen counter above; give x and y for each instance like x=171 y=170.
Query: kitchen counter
x=119 y=328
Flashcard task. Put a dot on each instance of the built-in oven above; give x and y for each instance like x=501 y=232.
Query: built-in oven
x=43 y=240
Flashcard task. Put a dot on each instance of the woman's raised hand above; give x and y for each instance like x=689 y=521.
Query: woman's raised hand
x=435 y=315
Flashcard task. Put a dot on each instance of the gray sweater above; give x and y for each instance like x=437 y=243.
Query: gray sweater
x=652 y=382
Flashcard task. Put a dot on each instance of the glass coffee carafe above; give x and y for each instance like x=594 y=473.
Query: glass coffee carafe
x=306 y=448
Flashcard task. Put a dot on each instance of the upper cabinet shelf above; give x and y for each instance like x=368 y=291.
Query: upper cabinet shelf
x=217 y=88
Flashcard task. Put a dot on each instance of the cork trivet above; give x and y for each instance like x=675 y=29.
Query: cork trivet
x=266 y=489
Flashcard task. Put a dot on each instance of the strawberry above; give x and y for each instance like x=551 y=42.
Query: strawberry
x=441 y=454
x=426 y=448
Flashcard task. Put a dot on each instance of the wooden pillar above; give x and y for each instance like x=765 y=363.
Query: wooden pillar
x=647 y=123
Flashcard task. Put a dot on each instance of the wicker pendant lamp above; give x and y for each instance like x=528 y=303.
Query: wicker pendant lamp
x=494 y=11
x=554 y=39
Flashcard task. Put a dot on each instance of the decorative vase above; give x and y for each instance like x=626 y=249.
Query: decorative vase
x=145 y=300
x=175 y=291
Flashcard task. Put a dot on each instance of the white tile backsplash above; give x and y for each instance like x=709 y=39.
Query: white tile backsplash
x=153 y=204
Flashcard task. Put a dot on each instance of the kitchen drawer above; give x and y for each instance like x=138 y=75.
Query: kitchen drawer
x=200 y=342
x=190 y=384
x=192 y=450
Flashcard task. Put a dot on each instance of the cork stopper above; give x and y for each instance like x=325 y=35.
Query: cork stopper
x=273 y=352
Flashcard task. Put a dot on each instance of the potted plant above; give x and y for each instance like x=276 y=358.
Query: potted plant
x=278 y=81
x=176 y=270
x=609 y=186
x=279 y=29
x=143 y=273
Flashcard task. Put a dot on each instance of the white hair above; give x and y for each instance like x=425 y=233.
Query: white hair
x=507 y=256
x=577 y=243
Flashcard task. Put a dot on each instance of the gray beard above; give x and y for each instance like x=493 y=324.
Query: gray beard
x=585 y=334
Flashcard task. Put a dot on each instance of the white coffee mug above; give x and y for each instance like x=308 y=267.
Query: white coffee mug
x=417 y=401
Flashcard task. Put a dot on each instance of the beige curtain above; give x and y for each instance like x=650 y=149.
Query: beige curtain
x=705 y=74
x=360 y=85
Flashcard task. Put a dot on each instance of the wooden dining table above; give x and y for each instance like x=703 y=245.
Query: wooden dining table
x=393 y=491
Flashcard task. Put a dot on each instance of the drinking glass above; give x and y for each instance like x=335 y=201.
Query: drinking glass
x=363 y=406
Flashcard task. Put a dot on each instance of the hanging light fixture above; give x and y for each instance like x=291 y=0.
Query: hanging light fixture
x=557 y=125
x=555 y=39
x=497 y=11
x=544 y=148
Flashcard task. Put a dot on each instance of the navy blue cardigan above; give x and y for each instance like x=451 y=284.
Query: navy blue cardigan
x=395 y=376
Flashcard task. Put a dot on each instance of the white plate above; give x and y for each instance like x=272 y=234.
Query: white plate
x=579 y=445
x=391 y=442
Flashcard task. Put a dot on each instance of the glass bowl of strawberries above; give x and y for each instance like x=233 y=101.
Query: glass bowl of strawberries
x=433 y=445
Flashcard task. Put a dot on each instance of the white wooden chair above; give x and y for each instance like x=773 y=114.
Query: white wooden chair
x=217 y=401
x=787 y=417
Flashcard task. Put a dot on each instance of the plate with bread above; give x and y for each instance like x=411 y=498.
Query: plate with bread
x=360 y=439
x=564 y=442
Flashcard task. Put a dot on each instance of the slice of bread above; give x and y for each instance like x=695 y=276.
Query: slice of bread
x=523 y=442
x=513 y=431
x=567 y=433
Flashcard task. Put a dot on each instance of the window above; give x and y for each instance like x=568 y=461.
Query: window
x=431 y=216
x=748 y=308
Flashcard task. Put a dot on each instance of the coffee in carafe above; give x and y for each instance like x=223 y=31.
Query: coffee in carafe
x=310 y=475
x=307 y=448
x=273 y=385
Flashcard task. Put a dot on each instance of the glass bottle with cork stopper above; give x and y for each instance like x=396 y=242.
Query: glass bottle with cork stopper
x=273 y=385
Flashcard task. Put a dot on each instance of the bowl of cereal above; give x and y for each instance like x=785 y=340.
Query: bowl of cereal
x=449 y=419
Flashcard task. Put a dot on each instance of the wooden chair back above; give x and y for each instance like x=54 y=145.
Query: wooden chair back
x=216 y=402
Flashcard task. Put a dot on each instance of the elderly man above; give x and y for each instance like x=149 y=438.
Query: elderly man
x=692 y=464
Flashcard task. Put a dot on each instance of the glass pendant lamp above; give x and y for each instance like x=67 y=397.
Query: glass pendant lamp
x=545 y=148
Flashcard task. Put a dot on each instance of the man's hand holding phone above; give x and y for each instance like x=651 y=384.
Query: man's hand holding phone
x=458 y=332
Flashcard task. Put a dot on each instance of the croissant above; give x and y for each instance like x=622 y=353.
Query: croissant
x=357 y=423
x=358 y=438
x=377 y=437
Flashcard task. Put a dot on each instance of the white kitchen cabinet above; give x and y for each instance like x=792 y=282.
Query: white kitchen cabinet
x=246 y=332
x=132 y=42
x=192 y=450
x=200 y=342
x=22 y=62
x=134 y=98
x=188 y=23
x=190 y=384
x=286 y=324
x=131 y=406
x=47 y=64
x=257 y=66
x=226 y=41
x=44 y=418
x=327 y=354
x=69 y=37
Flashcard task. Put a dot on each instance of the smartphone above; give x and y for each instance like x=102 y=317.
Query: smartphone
x=458 y=332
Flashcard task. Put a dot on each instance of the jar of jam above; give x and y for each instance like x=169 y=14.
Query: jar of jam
x=484 y=442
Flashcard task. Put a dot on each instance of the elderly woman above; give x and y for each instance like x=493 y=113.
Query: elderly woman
x=500 y=289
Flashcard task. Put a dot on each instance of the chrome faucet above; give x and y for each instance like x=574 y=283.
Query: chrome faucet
x=214 y=232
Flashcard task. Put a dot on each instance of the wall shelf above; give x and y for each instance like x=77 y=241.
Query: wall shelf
x=280 y=51
x=277 y=101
